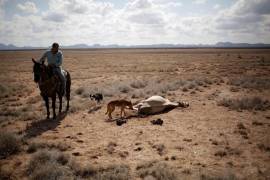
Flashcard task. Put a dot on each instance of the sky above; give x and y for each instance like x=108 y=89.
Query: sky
x=133 y=22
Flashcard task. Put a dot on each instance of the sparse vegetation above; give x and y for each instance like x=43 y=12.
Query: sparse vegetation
x=228 y=176
x=245 y=103
x=9 y=144
x=34 y=146
x=138 y=84
x=250 y=82
x=160 y=148
x=48 y=165
x=157 y=170
x=113 y=172
x=196 y=76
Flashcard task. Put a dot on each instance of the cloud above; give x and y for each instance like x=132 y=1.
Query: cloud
x=55 y=16
x=199 y=1
x=28 y=7
x=244 y=14
x=260 y=7
x=84 y=7
x=246 y=20
x=151 y=18
x=137 y=22
x=217 y=6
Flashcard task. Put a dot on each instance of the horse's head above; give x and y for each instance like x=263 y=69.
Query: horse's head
x=38 y=69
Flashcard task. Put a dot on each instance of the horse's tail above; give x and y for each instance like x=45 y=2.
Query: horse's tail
x=68 y=85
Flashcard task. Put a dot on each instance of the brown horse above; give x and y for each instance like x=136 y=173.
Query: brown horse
x=49 y=85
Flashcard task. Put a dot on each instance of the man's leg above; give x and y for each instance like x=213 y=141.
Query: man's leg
x=63 y=80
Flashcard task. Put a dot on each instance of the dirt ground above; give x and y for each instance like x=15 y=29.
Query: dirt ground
x=213 y=137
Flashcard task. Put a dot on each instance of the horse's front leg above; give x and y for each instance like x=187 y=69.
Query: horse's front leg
x=60 y=104
x=53 y=105
x=46 y=99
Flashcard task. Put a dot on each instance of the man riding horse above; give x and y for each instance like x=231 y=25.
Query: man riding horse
x=48 y=77
x=55 y=60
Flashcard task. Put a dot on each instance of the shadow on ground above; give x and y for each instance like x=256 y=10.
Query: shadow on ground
x=37 y=128
x=141 y=115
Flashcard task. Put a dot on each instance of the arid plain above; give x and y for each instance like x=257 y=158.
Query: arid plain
x=223 y=134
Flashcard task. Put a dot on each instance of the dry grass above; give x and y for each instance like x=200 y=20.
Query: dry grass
x=250 y=82
x=49 y=165
x=113 y=172
x=5 y=174
x=227 y=176
x=13 y=90
x=157 y=170
x=144 y=88
x=245 y=103
x=9 y=144
x=37 y=145
x=189 y=75
x=138 y=84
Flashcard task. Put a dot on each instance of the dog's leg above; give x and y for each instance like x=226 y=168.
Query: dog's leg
x=125 y=113
x=110 y=112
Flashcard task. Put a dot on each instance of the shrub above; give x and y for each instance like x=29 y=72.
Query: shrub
x=250 y=82
x=138 y=84
x=80 y=90
x=51 y=171
x=113 y=172
x=245 y=103
x=5 y=173
x=123 y=88
x=33 y=147
x=159 y=171
x=9 y=144
x=49 y=165
x=227 y=176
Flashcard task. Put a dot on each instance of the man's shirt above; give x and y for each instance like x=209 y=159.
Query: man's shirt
x=53 y=59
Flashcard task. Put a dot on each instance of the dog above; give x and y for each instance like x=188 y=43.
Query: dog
x=97 y=97
x=119 y=103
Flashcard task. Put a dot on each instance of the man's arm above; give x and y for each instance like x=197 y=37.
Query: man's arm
x=43 y=58
x=59 y=59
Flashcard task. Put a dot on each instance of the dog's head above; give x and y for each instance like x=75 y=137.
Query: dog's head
x=130 y=105
x=91 y=96
x=98 y=97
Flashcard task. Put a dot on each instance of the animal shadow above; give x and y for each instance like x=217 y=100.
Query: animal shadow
x=37 y=128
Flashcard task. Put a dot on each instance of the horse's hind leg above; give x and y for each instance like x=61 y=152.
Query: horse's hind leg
x=68 y=84
x=60 y=104
x=67 y=104
x=46 y=99
x=53 y=106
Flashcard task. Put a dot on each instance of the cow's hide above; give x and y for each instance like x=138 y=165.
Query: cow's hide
x=155 y=104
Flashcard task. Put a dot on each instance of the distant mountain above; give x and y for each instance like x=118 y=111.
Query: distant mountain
x=99 y=46
x=76 y=46
x=244 y=45
x=9 y=46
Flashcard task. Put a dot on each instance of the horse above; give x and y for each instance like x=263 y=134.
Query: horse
x=50 y=86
